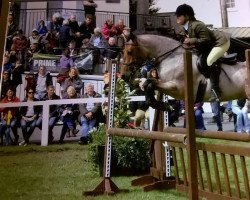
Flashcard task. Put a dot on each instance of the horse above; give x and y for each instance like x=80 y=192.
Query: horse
x=168 y=53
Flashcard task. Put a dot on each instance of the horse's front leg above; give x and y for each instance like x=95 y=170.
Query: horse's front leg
x=171 y=88
x=149 y=88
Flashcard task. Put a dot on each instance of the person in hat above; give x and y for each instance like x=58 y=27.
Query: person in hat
x=212 y=44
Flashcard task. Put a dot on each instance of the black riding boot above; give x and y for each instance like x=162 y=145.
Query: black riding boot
x=214 y=79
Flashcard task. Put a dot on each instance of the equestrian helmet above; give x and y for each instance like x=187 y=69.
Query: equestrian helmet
x=184 y=9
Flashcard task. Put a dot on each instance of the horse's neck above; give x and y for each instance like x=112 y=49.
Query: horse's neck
x=157 y=47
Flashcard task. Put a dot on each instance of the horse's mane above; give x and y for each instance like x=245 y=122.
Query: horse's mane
x=145 y=47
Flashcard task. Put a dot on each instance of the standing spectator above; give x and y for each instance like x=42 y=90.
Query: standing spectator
x=73 y=80
x=65 y=34
x=90 y=9
x=108 y=29
x=41 y=28
x=240 y=107
x=69 y=114
x=53 y=110
x=42 y=80
x=29 y=116
x=199 y=121
x=89 y=113
x=120 y=27
x=9 y=116
x=11 y=30
x=216 y=111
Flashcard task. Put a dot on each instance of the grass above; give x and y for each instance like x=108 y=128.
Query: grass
x=60 y=172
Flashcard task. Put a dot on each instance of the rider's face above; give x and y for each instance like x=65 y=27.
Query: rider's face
x=181 y=20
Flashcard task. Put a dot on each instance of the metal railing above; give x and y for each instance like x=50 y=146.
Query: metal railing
x=29 y=18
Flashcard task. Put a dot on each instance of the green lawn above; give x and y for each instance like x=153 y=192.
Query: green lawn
x=60 y=172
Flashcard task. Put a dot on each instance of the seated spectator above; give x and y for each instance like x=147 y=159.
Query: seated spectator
x=97 y=40
x=17 y=71
x=41 y=28
x=66 y=62
x=73 y=80
x=108 y=29
x=9 y=116
x=73 y=24
x=29 y=116
x=65 y=34
x=46 y=47
x=12 y=27
x=35 y=37
x=120 y=27
x=139 y=108
x=7 y=64
x=19 y=44
x=41 y=81
x=126 y=35
x=53 y=29
x=89 y=113
x=6 y=83
x=112 y=51
x=54 y=112
x=69 y=114
x=241 y=108
x=72 y=48
x=198 y=110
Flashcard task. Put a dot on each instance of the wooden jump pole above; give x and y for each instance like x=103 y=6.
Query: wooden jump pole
x=247 y=81
x=153 y=135
x=190 y=124
x=223 y=135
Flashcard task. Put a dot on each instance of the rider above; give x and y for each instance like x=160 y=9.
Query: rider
x=207 y=42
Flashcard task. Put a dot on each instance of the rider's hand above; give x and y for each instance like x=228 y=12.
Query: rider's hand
x=187 y=41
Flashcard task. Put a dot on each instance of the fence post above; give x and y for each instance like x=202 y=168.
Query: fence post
x=190 y=124
x=45 y=124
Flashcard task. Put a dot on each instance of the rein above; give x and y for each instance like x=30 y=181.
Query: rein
x=154 y=59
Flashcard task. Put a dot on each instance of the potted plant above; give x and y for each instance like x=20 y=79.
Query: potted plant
x=130 y=156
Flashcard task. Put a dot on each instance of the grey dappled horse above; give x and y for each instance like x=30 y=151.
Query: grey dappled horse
x=169 y=54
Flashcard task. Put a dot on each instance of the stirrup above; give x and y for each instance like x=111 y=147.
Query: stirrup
x=214 y=96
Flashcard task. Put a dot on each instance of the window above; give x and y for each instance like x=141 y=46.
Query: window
x=230 y=3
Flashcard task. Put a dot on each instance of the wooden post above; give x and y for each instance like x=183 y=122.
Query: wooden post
x=247 y=84
x=190 y=124
x=3 y=22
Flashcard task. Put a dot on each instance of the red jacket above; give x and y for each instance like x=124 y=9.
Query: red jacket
x=108 y=31
x=19 y=43
x=13 y=110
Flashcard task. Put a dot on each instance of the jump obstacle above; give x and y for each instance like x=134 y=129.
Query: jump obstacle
x=200 y=178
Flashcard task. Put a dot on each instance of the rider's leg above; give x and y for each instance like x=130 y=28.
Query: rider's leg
x=213 y=56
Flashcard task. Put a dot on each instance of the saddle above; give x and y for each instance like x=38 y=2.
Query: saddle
x=230 y=59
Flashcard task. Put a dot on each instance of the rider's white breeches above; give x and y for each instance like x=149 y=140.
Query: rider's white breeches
x=217 y=52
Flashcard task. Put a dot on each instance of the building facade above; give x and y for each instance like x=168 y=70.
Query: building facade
x=209 y=11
